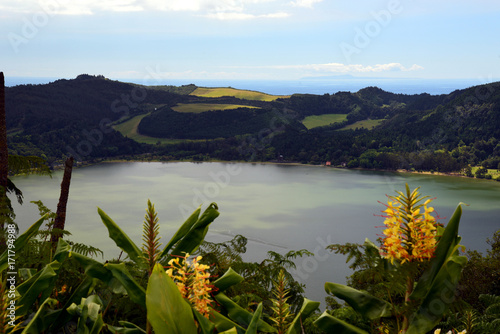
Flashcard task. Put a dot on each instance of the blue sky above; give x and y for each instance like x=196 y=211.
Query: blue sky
x=251 y=39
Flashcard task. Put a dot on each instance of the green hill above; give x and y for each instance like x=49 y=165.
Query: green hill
x=379 y=129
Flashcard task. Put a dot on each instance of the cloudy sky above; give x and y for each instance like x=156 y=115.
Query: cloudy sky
x=250 y=39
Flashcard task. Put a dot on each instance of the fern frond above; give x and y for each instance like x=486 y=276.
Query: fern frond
x=85 y=250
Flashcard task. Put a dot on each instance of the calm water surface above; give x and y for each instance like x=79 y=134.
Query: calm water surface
x=277 y=207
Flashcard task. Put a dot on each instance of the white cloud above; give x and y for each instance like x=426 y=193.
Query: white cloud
x=304 y=3
x=216 y=9
x=244 y=16
x=350 y=68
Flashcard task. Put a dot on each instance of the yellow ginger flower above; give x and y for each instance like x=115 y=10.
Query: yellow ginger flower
x=192 y=280
x=410 y=235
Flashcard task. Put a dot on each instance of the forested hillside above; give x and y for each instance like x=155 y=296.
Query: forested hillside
x=423 y=132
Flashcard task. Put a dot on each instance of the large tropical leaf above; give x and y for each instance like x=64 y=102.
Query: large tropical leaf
x=446 y=243
x=38 y=287
x=253 y=326
x=168 y=312
x=240 y=315
x=196 y=234
x=437 y=285
x=440 y=296
x=308 y=308
x=122 y=240
x=365 y=304
x=227 y=280
x=223 y=324
x=111 y=274
x=330 y=324
x=40 y=321
x=181 y=232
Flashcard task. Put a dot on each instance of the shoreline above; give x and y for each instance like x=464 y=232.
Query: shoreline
x=282 y=163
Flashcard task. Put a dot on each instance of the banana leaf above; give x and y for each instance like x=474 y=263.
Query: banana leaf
x=205 y=325
x=227 y=280
x=82 y=291
x=240 y=315
x=128 y=328
x=168 y=312
x=110 y=274
x=437 y=284
x=365 y=304
x=223 y=324
x=440 y=296
x=330 y=324
x=89 y=318
x=38 y=287
x=308 y=308
x=182 y=231
x=122 y=240
x=196 y=234
x=40 y=321
x=20 y=242
x=230 y=331
x=446 y=243
x=252 y=328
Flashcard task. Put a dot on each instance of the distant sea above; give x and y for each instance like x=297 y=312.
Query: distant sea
x=306 y=86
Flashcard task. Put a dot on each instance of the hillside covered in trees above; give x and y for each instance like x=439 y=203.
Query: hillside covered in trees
x=377 y=129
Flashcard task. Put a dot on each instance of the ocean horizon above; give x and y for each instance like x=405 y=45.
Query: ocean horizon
x=303 y=86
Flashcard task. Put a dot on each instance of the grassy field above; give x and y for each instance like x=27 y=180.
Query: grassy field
x=365 y=124
x=129 y=129
x=493 y=172
x=322 y=120
x=202 y=107
x=238 y=93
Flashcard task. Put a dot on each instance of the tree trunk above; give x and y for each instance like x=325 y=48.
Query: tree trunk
x=4 y=159
x=63 y=201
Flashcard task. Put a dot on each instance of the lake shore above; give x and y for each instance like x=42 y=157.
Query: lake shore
x=284 y=163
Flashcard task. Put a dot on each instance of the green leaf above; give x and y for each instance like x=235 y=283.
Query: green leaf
x=168 y=312
x=440 y=296
x=224 y=324
x=240 y=315
x=438 y=282
x=308 y=308
x=196 y=234
x=227 y=280
x=182 y=231
x=447 y=241
x=205 y=325
x=330 y=324
x=252 y=328
x=82 y=291
x=362 y=302
x=128 y=328
x=20 y=242
x=112 y=273
x=39 y=322
x=230 y=331
x=37 y=287
x=122 y=240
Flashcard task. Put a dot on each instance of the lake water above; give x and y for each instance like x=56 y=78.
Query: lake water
x=277 y=207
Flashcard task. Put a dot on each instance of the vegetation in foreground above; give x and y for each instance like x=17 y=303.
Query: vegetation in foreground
x=414 y=281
